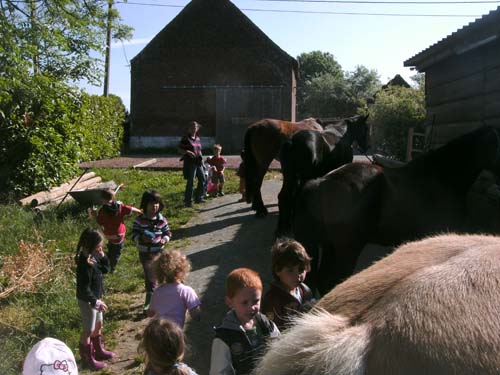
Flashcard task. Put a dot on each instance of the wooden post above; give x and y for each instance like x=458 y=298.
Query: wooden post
x=409 y=145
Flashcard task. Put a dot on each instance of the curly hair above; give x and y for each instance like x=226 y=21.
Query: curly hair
x=170 y=266
x=163 y=346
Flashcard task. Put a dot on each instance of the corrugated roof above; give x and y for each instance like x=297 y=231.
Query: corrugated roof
x=476 y=33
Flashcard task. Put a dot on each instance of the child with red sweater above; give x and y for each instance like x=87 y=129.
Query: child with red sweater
x=111 y=218
x=218 y=164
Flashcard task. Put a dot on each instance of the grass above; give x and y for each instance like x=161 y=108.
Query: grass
x=49 y=308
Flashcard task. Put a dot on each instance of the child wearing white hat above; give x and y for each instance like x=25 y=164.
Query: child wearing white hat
x=50 y=357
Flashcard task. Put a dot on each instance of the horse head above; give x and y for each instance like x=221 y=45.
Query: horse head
x=358 y=131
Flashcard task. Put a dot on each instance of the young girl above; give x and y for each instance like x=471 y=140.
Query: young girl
x=172 y=299
x=151 y=233
x=163 y=346
x=92 y=263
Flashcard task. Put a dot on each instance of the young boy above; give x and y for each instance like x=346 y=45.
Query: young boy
x=110 y=217
x=242 y=336
x=218 y=163
x=288 y=294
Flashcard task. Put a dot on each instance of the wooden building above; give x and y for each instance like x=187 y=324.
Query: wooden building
x=213 y=65
x=462 y=80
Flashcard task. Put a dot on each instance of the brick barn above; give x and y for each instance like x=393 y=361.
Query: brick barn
x=211 y=64
x=462 y=80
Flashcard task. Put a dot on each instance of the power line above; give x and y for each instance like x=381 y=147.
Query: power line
x=387 y=2
x=316 y=12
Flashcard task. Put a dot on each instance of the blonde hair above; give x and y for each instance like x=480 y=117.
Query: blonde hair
x=218 y=147
x=170 y=266
x=288 y=253
x=241 y=278
x=163 y=346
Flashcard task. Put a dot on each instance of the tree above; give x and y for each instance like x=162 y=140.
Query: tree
x=363 y=82
x=396 y=110
x=56 y=38
x=315 y=64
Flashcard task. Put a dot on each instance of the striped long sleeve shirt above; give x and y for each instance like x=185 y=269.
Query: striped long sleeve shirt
x=155 y=229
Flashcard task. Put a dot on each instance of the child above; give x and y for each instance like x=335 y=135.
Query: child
x=173 y=298
x=241 y=174
x=288 y=294
x=151 y=233
x=242 y=336
x=110 y=217
x=48 y=356
x=219 y=164
x=92 y=263
x=163 y=346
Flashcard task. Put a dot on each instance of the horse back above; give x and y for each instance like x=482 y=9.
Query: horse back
x=431 y=307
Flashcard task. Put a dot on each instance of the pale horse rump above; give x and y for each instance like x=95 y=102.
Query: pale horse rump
x=431 y=307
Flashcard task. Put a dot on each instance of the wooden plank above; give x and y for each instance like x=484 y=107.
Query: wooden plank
x=61 y=188
x=442 y=134
x=145 y=163
x=466 y=110
x=459 y=66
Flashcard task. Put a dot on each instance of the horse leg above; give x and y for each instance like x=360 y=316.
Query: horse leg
x=257 y=202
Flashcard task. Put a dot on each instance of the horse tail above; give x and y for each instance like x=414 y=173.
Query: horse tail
x=339 y=348
x=250 y=165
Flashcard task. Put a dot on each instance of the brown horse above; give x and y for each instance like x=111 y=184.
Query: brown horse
x=311 y=154
x=338 y=214
x=431 y=307
x=263 y=141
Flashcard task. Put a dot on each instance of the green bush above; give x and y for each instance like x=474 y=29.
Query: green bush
x=396 y=110
x=49 y=128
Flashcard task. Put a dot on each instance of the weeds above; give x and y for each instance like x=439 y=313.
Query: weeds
x=36 y=262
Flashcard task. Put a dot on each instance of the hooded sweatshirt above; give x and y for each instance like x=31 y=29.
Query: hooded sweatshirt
x=235 y=350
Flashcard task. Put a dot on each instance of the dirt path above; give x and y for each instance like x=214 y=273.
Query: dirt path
x=223 y=236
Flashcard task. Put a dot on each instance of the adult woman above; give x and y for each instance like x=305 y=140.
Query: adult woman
x=190 y=148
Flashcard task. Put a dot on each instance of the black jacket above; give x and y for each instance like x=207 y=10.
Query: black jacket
x=89 y=279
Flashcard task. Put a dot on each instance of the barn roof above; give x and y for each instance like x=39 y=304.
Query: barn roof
x=214 y=23
x=477 y=33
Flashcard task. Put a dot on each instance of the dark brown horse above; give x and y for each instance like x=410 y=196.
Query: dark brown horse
x=364 y=203
x=263 y=141
x=310 y=154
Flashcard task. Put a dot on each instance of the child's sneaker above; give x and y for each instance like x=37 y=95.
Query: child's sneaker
x=220 y=194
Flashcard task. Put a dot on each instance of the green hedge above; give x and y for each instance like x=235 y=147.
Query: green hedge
x=48 y=128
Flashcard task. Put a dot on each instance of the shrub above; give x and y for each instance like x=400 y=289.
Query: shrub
x=396 y=110
x=49 y=128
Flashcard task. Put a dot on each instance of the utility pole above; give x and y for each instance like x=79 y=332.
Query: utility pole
x=108 y=50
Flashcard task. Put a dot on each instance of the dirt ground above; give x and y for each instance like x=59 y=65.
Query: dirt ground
x=224 y=235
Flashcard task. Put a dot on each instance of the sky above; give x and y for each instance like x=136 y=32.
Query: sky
x=380 y=38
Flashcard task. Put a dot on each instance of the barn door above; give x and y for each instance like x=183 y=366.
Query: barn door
x=238 y=107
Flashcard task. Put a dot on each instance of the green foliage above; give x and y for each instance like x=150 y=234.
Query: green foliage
x=49 y=128
x=324 y=90
x=52 y=309
x=316 y=63
x=395 y=110
x=57 y=38
x=328 y=96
